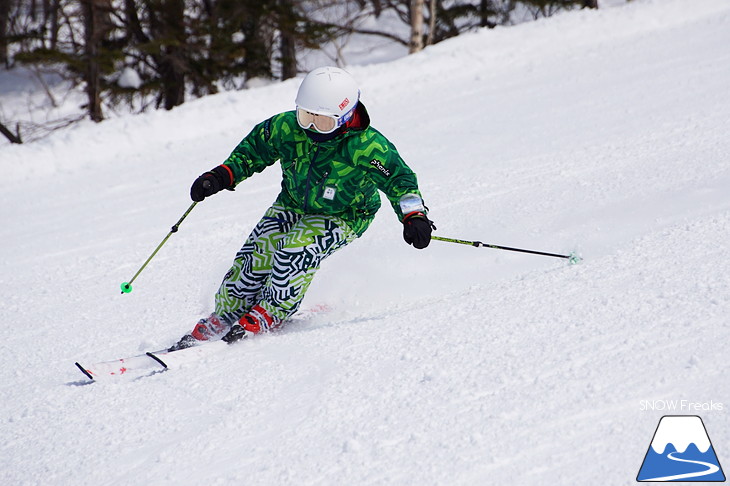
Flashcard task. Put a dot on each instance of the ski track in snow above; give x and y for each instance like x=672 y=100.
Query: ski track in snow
x=603 y=132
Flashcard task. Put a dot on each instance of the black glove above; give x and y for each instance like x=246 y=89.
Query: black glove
x=417 y=230
x=211 y=182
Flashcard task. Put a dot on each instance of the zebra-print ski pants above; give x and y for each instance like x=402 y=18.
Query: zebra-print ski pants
x=277 y=262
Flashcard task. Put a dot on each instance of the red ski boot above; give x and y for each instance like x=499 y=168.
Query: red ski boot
x=255 y=321
x=205 y=330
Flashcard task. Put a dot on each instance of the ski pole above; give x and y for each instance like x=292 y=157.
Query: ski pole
x=127 y=286
x=572 y=258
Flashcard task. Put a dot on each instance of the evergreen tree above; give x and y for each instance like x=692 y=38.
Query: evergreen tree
x=176 y=48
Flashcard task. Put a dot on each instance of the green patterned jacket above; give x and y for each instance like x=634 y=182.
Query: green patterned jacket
x=340 y=177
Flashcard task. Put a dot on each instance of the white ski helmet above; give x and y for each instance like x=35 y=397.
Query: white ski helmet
x=328 y=91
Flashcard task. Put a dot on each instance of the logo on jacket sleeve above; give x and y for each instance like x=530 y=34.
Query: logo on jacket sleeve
x=376 y=163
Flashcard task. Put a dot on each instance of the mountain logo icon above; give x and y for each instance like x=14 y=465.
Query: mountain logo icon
x=681 y=451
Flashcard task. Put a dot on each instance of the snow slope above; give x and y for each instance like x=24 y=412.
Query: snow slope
x=601 y=131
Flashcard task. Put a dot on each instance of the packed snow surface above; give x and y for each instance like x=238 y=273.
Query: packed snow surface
x=603 y=132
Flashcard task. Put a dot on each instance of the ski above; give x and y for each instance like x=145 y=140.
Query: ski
x=149 y=363
x=154 y=362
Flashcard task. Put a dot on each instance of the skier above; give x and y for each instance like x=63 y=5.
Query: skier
x=333 y=163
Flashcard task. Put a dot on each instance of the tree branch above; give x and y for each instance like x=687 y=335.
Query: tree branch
x=14 y=138
x=354 y=30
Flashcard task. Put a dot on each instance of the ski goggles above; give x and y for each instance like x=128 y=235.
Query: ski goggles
x=321 y=123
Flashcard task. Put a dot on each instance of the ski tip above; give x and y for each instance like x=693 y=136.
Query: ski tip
x=157 y=358
x=84 y=371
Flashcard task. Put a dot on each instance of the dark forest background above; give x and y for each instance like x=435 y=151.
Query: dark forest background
x=153 y=54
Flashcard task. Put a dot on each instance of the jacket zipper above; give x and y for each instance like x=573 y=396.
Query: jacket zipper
x=307 y=187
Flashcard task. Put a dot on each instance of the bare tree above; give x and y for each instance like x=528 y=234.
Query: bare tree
x=431 y=21
x=4 y=30
x=169 y=27
x=287 y=20
x=96 y=27
x=416 y=39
